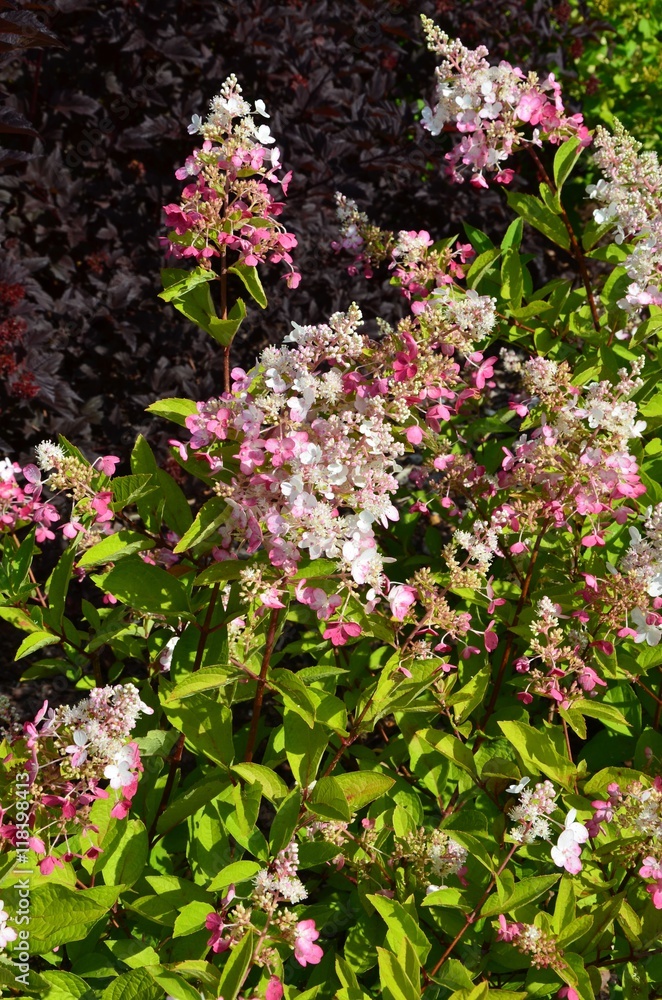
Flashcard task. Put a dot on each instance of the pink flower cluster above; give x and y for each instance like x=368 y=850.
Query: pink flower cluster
x=321 y=427
x=534 y=941
x=636 y=811
x=496 y=109
x=277 y=884
x=418 y=263
x=67 y=756
x=23 y=505
x=227 y=204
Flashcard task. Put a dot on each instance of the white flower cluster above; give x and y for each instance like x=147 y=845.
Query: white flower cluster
x=49 y=455
x=531 y=813
x=445 y=855
x=647 y=811
x=99 y=727
x=643 y=560
x=630 y=198
x=336 y=448
x=469 y=90
x=228 y=105
x=481 y=544
x=472 y=314
x=279 y=882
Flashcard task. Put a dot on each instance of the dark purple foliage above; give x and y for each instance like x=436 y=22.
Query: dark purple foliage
x=110 y=88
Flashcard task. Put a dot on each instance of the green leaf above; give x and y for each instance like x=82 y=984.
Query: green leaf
x=550 y=199
x=135 y=954
x=512 y=278
x=316 y=568
x=597 y=784
x=188 y=802
x=206 y=725
x=177 y=281
x=575 y=975
x=395 y=983
x=175 y=986
x=329 y=801
x=113 y=547
x=533 y=211
x=191 y=296
x=450 y=747
x=606 y=713
x=145 y=587
x=294 y=693
x=470 y=695
x=513 y=237
x=174 y=408
x=209 y=518
x=228 y=569
x=225 y=330
x=19 y=561
x=481 y=265
x=59 y=914
x=304 y=748
x=566 y=156
x=236 y=967
x=130 y=489
x=124 y=853
x=360 y=788
x=285 y=822
x=35 y=641
x=58 y=585
x=191 y=918
x=170 y=503
x=273 y=787
x=251 y=279
x=523 y=892
x=65 y=986
x=134 y=985
x=206 y=679
x=478 y=239
x=401 y=924
x=237 y=872
x=538 y=752
x=635 y=982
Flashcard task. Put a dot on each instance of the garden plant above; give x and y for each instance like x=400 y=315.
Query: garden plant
x=367 y=684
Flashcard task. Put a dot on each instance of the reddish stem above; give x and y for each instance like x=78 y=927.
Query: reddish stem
x=261 y=684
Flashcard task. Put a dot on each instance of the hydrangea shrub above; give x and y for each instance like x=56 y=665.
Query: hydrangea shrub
x=370 y=690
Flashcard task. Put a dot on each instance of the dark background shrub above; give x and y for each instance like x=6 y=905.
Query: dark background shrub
x=96 y=100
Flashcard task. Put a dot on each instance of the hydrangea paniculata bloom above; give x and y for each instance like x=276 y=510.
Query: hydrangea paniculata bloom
x=629 y=199
x=496 y=109
x=226 y=203
x=71 y=753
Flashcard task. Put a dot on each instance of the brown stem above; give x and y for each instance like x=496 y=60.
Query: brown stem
x=516 y=322
x=347 y=742
x=510 y=641
x=574 y=244
x=471 y=919
x=625 y=958
x=261 y=684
